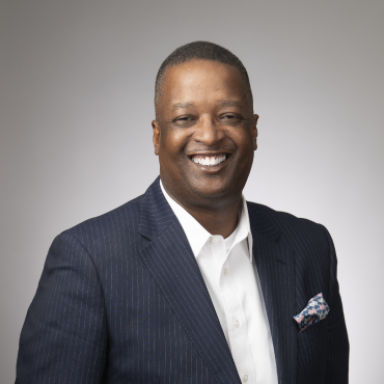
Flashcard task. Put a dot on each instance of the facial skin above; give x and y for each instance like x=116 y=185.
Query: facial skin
x=204 y=115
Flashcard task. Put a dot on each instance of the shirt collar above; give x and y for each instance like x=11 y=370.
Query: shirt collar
x=197 y=235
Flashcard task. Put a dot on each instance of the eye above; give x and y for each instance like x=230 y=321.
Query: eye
x=230 y=117
x=185 y=118
x=184 y=121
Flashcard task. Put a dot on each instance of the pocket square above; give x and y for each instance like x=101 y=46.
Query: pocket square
x=316 y=310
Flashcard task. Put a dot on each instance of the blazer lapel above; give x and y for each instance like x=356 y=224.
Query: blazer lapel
x=276 y=268
x=170 y=260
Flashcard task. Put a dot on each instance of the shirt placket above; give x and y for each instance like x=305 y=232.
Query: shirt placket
x=235 y=316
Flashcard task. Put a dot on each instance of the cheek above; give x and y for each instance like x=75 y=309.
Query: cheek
x=173 y=142
x=172 y=156
x=244 y=142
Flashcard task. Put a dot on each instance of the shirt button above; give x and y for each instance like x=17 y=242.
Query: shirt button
x=215 y=240
x=225 y=271
x=245 y=378
x=236 y=323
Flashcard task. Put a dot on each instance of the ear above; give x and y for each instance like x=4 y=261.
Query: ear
x=254 y=131
x=156 y=136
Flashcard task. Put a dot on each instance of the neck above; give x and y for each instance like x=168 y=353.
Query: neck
x=216 y=219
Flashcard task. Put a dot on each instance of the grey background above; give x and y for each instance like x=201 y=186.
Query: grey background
x=76 y=91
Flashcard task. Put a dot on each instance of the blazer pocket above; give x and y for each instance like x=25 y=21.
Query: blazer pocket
x=312 y=334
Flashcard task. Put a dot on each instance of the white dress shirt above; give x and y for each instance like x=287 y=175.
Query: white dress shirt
x=232 y=281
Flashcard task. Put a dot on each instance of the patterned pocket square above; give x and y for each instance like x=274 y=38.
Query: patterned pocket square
x=316 y=310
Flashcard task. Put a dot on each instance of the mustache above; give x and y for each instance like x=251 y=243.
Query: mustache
x=213 y=148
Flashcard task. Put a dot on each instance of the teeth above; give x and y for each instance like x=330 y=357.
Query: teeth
x=209 y=160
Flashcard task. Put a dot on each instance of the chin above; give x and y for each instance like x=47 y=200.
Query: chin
x=210 y=192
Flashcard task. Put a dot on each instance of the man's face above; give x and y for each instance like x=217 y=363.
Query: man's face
x=205 y=133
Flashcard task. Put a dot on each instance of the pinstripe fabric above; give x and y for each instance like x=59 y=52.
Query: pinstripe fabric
x=296 y=260
x=121 y=300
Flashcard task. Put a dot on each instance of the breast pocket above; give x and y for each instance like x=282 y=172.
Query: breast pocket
x=312 y=334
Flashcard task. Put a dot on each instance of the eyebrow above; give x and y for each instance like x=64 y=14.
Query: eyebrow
x=229 y=103
x=182 y=105
x=222 y=103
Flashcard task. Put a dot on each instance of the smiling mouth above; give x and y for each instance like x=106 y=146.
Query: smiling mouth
x=209 y=161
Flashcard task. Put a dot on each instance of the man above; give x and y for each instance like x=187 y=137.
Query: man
x=189 y=283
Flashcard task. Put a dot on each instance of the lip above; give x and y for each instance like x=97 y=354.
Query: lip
x=210 y=168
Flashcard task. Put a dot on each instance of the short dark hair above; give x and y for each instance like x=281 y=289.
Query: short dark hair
x=200 y=50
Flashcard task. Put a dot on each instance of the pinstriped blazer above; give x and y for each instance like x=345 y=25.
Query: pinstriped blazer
x=121 y=300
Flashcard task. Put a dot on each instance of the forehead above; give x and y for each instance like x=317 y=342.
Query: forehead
x=202 y=80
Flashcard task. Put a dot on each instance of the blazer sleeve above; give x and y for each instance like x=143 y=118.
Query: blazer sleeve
x=64 y=337
x=338 y=344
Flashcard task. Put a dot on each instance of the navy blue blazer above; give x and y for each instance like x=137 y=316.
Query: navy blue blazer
x=121 y=300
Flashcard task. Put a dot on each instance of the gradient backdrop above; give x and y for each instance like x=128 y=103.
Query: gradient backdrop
x=76 y=92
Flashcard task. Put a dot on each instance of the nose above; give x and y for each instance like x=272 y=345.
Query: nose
x=208 y=131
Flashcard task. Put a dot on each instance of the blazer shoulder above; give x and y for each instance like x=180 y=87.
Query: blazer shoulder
x=290 y=226
x=117 y=224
